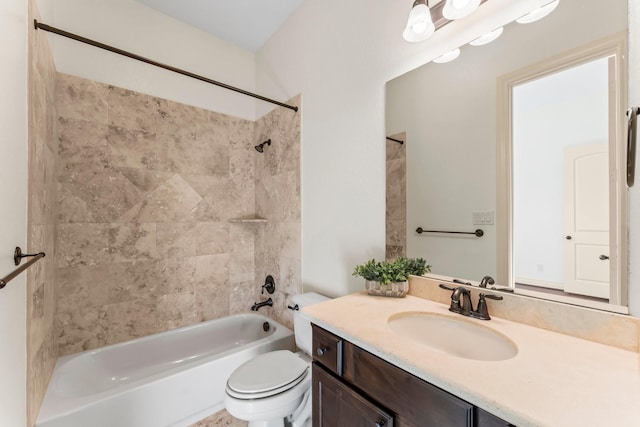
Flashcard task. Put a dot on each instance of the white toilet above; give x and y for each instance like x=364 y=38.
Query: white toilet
x=276 y=385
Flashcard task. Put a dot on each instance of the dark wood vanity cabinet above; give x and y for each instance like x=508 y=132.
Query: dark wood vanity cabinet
x=352 y=387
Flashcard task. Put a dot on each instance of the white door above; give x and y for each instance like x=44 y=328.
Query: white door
x=586 y=219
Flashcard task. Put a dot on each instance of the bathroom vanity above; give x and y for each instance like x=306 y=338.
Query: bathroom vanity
x=367 y=373
x=353 y=387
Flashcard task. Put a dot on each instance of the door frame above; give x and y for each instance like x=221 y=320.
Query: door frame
x=616 y=46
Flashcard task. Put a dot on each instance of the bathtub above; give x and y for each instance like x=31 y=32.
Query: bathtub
x=174 y=378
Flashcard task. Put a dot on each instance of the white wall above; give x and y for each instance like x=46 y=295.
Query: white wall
x=139 y=29
x=13 y=214
x=339 y=55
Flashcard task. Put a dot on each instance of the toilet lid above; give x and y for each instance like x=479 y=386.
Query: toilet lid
x=267 y=372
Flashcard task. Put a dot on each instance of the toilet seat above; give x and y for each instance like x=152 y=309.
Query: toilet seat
x=267 y=375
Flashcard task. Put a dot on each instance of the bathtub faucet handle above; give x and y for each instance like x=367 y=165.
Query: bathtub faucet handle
x=269 y=285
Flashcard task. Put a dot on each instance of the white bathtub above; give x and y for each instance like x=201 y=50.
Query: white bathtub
x=174 y=378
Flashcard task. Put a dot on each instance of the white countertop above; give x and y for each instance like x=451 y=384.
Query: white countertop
x=554 y=380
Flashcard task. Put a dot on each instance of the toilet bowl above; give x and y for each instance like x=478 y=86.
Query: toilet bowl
x=276 y=386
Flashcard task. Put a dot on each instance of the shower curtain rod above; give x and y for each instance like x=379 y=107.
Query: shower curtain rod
x=50 y=29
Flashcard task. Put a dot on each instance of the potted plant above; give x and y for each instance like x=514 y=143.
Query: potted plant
x=390 y=278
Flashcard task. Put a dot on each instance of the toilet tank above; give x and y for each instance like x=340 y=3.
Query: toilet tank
x=301 y=325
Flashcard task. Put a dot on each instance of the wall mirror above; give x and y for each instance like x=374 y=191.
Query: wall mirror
x=487 y=138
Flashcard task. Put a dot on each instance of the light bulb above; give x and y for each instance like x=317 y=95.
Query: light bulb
x=419 y=25
x=539 y=13
x=487 y=38
x=447 y=57
x=457 y=9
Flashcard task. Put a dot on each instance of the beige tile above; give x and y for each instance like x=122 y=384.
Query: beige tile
x=81 y=329
x=177 y=119
x=132 y=242
x=132 y=319
x=242 y=297
x=176 y=240
x=212 y=302
x=93 y=196
x=82 y=146
x=212 y=271
x=86 y=286
x=277 y=197
x=213 y=238
x=190 y=156
x=127 y=281
x=220 y=419
x=81 y=99
x=176 y=275
x=241 y=266
x=136 y=149
x=83 y=244
x=132 y=110
x=177 y=310
x=172 y=201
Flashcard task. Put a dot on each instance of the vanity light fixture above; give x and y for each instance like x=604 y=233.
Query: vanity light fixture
x=420 y=24
x=447 y=57
x=487 y=38
x=539 y=13
x=458 y=9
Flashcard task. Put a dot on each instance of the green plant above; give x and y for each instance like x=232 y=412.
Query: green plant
x=395 y=271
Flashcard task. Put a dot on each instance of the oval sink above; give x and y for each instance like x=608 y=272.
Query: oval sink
x=457 y=337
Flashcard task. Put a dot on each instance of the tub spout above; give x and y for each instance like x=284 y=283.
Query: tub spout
x=256 y=306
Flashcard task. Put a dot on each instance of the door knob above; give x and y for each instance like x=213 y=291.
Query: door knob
x=568 y=237
x=603 y=257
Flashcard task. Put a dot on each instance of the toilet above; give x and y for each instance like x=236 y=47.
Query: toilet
x=276 y=386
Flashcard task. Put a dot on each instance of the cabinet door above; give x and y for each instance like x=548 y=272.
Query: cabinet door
x=335 y=404
x=485 y=419
x=413 y=401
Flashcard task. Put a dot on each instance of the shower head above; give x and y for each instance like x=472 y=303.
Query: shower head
x=260 y=147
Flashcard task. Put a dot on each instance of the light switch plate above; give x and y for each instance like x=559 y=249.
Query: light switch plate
x=483 y=217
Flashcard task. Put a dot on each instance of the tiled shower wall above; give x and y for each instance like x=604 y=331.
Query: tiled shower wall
x=43 y=149
x=146 y=191
x=279 y=240
x=396 y=216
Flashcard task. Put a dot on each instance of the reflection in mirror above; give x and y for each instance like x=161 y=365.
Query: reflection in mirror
x=564 y=137
x=453 y=177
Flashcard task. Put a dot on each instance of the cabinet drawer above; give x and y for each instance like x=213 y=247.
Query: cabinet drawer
x=414 y=401
x=327 y=350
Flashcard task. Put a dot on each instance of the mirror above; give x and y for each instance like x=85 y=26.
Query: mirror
x=455 y=165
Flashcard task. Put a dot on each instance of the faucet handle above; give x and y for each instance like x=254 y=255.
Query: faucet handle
x=449 y=288
x=482 y=312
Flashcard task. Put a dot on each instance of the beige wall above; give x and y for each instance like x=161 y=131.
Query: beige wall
x=43 y=149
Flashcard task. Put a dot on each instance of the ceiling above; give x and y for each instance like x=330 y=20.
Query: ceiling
x=245 y=23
